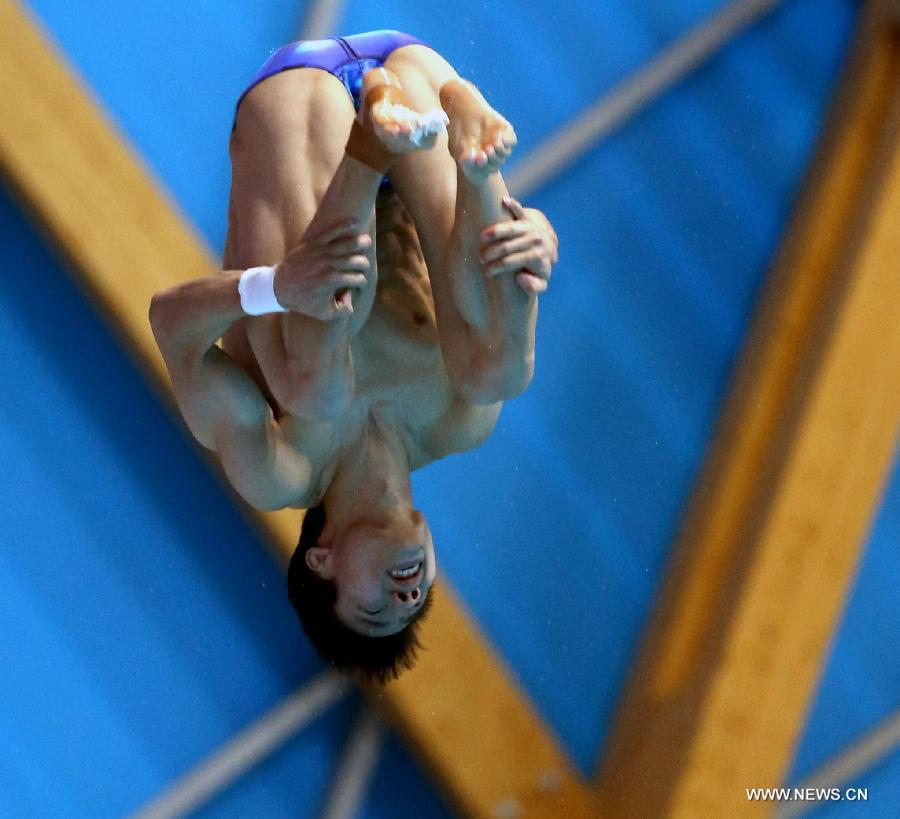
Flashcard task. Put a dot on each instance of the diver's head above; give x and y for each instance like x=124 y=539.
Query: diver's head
x=361 y=591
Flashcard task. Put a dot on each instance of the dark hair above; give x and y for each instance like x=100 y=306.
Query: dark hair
x=373 y=659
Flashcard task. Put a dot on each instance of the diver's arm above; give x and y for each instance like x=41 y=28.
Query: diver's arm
x=221 y=404
x=315 y=280
x=194 y=315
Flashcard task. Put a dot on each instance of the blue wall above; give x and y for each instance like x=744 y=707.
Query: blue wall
x=143 y=622
x=166 y=623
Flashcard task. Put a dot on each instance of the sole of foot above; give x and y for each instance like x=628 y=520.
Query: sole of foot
x=393 y=121
x=480 y=139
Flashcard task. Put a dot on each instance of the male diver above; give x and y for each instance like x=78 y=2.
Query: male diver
x=377 y=305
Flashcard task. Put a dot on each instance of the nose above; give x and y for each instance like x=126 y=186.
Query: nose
x=408 y=599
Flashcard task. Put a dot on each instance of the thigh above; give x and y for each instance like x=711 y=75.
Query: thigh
x=288 y=140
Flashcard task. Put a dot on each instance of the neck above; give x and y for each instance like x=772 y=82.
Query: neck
x=371 y=481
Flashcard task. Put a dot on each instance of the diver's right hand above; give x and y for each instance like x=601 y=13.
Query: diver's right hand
x=318 y=277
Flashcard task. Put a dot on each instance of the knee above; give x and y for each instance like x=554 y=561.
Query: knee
x=489 y=380
x=311 y=396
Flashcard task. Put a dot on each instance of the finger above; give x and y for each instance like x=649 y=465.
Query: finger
x=530 y=283
x=514 y=207
x=498 y=250
x=554 y=252
x=346 y=245
x=517 y=261
x=550 y=249
x=356 y=263
x=341 y=229
x=505 y=230
x=543 y=222
x=348 y=279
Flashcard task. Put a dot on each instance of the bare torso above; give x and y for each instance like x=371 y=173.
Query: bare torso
x=399 y=373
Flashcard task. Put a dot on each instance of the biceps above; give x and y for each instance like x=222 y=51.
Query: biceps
x=261 y=466
x=211 y=389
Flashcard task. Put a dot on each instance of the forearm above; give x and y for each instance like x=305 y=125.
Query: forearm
x=194 y=315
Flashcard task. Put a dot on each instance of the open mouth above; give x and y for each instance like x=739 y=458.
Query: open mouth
x=407 y=572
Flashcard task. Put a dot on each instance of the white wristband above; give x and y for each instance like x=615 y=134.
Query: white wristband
x=257 y=289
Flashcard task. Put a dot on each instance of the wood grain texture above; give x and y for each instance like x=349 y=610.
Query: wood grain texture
x=460 y=709
x=772 y=537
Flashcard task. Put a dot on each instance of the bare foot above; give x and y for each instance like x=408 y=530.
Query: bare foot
x=480 y=139
x=399 y=128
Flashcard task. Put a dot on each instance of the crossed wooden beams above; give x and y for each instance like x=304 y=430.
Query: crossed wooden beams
x=770 y=541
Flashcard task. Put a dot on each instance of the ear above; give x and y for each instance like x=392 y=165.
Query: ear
x=318 y=558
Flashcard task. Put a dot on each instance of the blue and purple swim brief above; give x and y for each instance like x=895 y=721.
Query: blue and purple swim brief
x=347 y=58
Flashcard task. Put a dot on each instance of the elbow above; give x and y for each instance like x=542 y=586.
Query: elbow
x=160 y=316
x=489 y=382
x=157 y=311
x=170 y=319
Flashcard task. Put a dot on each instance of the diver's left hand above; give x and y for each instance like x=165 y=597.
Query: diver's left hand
x=527 y=246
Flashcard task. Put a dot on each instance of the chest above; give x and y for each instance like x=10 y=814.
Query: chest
x=399 y=377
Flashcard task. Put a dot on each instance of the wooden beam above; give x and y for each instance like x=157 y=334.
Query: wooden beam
x=770 y=543
x=461 y=708
x=511 y=768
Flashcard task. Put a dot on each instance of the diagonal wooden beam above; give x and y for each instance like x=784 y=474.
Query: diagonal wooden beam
x=771 y=541
x=461 y=709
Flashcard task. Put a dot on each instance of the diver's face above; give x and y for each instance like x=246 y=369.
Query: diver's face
x=382 y=573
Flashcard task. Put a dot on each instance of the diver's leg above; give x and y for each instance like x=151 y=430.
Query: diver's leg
x=303 y=162
x=286 y=149
x=453 y=192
